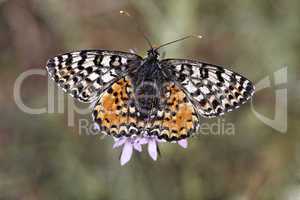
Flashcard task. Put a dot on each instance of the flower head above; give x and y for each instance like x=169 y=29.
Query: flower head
x=135 y=143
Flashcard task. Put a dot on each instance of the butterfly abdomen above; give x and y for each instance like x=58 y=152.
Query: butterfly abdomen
x=148 y=82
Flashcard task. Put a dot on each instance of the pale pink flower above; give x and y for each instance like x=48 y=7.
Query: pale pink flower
x=135 y=143
x=183 y=143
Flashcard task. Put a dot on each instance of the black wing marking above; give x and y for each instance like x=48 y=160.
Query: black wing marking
x=212 y=89
x=85 y=74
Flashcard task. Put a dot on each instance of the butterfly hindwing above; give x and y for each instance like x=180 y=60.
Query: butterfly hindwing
x=85 y=74
x=117 y=113
x=177 y=119
x=212 y=89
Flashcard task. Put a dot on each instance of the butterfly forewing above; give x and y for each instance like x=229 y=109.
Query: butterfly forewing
x=85 y=74
x=212 y=89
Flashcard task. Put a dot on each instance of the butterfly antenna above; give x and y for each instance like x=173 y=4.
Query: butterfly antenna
x=122 y=12
x=180 y=39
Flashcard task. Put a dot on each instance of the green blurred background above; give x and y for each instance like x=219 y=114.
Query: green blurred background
x=41 y=157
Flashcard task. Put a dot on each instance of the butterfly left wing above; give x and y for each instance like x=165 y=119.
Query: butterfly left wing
x=212 y=89
x=85 y=74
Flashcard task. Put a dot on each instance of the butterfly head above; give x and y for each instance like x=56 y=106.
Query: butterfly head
x=153 y=54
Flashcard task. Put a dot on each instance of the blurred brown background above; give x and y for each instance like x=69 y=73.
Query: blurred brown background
x=42 y=158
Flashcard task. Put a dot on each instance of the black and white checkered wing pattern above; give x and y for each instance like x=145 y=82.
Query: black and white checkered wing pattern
x=212 y=89
x=85 y=74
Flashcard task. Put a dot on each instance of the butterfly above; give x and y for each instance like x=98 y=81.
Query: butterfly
x=136 y=96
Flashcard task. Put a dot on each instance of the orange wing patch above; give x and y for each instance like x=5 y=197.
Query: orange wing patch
x=113 y=112
x=179 y=118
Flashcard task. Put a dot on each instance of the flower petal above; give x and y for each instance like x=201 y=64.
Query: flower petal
x=152 y=149
x=183 y=143
x=126 y=153
x=119 y=142
x=143 y=140
x=96 y=127
x=137 y=147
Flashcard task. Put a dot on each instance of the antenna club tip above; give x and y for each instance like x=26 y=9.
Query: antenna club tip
x=198 y=36
x=122 y=12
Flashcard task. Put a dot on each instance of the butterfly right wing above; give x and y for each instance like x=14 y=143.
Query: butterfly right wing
x=85 y=74
x=212 y=89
